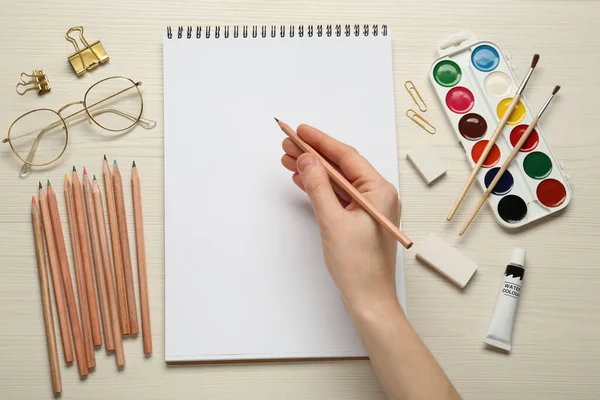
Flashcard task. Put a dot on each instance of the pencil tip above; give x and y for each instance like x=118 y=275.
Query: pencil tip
x=114 y=162
x=49 y=183
x=74 y=170
x=33 y=199
x=535 y=60
x=66 y=177
x=84 y=171
x=41 y=185
x=276 y=119
x=94 y=177
x=105 y=157
x=133 y=164
x=556 y=89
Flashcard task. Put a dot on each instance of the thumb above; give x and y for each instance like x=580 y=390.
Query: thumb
x=318 y=187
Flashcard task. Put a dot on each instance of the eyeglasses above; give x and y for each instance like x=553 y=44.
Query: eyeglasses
x=40 y=137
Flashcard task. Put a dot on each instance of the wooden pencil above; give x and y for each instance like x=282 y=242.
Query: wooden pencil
x=488 y=148
x=343 y=183
x=508 y=160
x=46 y=301
x=125 y=249
x=108 y=278
x=57 y=284
x=84 y=310
x=98 y=266
x=67 y=282
x=116 y=250
x=86 y=261
x=140 y=246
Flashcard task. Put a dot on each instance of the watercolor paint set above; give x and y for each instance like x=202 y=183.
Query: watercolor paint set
x=474 y=82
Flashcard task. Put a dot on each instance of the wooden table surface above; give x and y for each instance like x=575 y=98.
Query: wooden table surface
x=556 y=353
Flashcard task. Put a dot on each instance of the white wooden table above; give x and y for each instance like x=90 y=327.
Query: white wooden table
x=556 y=351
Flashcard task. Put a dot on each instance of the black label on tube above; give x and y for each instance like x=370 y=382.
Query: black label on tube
x=515 y=271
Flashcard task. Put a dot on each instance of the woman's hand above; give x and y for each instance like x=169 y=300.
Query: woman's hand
x=359 y=253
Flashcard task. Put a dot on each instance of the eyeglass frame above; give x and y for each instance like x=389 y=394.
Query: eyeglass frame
x=144 y=122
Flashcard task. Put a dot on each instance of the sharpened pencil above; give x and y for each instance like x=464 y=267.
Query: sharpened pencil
x=140 y=246
x=46 y=300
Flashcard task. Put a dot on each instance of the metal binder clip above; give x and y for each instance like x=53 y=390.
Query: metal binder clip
x=90 y=57
x=37 y=81
x=415 y=95
x=419 y=120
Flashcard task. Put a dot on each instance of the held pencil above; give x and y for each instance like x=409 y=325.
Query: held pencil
x=108 y=277
x=140 y=246
x=86 y=261
x=513 y=104
x=339 y=179
x=67 y=282
x=57 y=284
x=79 y=278
x=509 y=159
x=125 y=250
x=98 y=266
x=46 y=302
x=116 y=249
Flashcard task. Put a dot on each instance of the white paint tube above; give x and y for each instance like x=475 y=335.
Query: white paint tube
x=500 y=331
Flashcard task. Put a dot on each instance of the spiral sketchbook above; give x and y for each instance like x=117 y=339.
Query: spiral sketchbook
x=244 y=272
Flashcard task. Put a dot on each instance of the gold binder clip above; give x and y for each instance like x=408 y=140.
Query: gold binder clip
x=90 y=57
x=37 y=81
x=415 y=95
x=419 y=120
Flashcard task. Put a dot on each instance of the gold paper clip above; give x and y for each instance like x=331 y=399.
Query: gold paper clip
x=419 y=120
x=88 y=58
x=415 y=95
x=37 y=81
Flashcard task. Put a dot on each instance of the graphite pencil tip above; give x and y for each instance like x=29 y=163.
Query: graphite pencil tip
x=133 y=164
x=41 y=185
x=105 y=157
x=535 y=60
x=276 y=119
x=74 y=169
x=556 y=89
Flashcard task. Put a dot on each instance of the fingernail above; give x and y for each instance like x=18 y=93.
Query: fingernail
x=306 y=162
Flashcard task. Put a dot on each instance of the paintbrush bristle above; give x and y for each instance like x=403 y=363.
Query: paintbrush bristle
x=535 y=60
x=556 y=89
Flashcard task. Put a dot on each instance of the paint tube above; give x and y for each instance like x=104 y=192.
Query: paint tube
x=500 y=330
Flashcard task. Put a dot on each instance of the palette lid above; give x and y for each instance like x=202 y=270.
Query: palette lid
x=518 y=257
x=456 y=43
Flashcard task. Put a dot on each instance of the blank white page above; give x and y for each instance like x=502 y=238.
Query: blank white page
x=245 y=276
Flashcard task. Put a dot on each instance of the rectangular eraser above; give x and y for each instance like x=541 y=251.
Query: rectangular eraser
x=446 y=260
x=427 y=163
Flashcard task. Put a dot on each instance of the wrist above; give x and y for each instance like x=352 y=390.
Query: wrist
x=375 y=309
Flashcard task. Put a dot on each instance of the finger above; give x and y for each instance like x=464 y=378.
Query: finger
x=298 y=181
x=352 y=164
x=290 y=163
x=290 y=148
x=343 y=197
x=318 y=188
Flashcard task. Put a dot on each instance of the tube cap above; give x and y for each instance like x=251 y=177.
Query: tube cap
x=518 y=257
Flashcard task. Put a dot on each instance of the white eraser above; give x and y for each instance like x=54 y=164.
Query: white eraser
x=446 y=260
x=427 y=163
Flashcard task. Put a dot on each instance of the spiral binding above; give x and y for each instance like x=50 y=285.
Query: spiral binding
x=265 y=31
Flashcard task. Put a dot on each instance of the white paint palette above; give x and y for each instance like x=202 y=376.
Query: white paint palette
x=475 y=83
